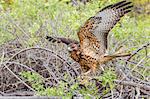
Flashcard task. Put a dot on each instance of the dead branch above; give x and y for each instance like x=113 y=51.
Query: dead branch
x=18 y=93
x=133 y=84
x=19 y=78
x=30 y=97
x=62 y=59
x=139 y=49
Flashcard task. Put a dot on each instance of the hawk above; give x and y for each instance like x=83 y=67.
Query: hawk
x=90 y=51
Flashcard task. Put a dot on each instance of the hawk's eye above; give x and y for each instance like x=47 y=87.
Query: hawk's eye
x=70 y=48
x=73 y=47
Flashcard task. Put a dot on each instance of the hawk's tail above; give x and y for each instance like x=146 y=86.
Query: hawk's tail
x=66 y=41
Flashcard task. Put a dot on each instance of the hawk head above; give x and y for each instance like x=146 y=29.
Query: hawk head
x=73 y=47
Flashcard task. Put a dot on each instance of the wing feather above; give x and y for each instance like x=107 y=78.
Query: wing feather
x=99 y=26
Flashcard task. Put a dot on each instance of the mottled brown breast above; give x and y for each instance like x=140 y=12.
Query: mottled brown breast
x=86 y=62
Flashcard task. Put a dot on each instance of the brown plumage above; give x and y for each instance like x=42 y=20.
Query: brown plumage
x=90 y=51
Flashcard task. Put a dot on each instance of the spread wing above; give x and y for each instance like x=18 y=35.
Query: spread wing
x=93 y=35
x=66 y=41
